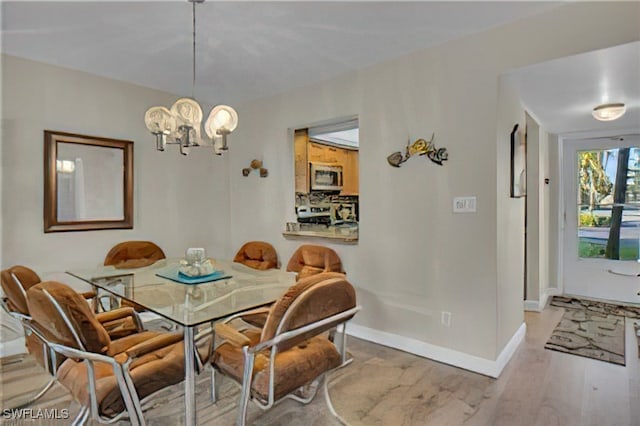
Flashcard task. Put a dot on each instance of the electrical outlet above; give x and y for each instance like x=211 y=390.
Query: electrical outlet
x=446 y=318
x=464 y=205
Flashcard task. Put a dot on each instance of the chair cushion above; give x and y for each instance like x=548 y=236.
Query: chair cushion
x=120 y=327
x=314 y=256
x=309 y=259
x=133 y=254
x=257 y=255
x=257 y=320
x=27 y=277
x=121 y=345
x=338 y=296
x=91 y=333
x=150 y=373
x=308 y=271
x=294 y=367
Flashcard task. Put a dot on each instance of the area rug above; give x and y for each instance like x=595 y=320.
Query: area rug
x=589 y=329
x=629 y=311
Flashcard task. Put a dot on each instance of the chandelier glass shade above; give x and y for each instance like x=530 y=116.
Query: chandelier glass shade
x=182 y=123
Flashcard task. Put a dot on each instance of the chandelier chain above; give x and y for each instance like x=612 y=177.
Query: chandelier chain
x=182 y=124
x=193 y=82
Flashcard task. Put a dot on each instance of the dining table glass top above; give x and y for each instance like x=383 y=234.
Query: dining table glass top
x=191 y=304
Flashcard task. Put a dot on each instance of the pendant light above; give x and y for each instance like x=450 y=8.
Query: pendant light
x=181 y=124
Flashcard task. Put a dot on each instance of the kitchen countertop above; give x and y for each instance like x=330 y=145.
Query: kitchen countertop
x=346 y=238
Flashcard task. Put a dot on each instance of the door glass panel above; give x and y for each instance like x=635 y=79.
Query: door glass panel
x=609 y=203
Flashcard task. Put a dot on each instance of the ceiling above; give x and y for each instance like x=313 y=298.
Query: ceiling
x=246 y=50
x=561 y=93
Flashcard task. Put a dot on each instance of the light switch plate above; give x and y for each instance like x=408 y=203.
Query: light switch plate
x=464 y=205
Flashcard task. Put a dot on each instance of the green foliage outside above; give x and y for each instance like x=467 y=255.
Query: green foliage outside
x=591 y=220
x=591 y=250
x=594 y=182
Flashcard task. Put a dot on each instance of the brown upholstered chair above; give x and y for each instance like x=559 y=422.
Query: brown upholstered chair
x=310 y=259
x=108 y=378
x=16 y=281
x=133 y=254
x=292 y=350
x=257 y=255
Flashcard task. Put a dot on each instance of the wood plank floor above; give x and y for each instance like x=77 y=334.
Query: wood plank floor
x=384 y=386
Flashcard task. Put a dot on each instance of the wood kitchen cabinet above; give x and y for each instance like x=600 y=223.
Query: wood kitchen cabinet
x=318 y=153
x=307 y=152
x=351 y=174
x=300 y=142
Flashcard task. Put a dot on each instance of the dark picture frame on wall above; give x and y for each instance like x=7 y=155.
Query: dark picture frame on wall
x=518 y=163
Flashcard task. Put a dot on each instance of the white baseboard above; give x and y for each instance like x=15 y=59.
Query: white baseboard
x=548 y=292
x=532 y=305
x=539 y=305
x=440 y=354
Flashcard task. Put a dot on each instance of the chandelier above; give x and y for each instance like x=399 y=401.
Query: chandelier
x=181 y=124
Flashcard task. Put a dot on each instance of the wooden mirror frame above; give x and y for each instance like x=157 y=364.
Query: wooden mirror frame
x=51 y=222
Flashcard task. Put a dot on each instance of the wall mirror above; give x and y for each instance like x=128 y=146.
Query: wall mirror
x=88 y=183
x=327 y=180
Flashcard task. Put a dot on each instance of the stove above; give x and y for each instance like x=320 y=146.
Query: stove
x=315 y=213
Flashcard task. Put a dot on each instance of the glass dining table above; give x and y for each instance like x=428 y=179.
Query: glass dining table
x=190 y=305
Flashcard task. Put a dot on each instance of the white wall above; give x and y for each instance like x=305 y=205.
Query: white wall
x=178 y=201
x=538 y=216
x=9 y=329
x=415 y=257
x=510 y=218
x=1 y=132
x=534 y=221
x=546 y=213
x=555 y=228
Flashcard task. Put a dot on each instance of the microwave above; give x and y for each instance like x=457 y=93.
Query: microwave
x=325 y=177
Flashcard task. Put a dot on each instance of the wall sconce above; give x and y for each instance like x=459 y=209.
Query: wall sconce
x=255 y=165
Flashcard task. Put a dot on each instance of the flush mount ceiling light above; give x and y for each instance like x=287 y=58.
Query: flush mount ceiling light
x=181 y=125
x=609 y=112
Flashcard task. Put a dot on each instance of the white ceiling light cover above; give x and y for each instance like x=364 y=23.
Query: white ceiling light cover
x=609 y=112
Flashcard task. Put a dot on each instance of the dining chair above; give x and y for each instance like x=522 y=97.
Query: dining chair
x=257 y=255
x=311 y=259
x=110 y=379
x=293 y=352
x=16 y=281
x=132 y=255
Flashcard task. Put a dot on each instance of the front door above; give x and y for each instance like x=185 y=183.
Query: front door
x=601 y=241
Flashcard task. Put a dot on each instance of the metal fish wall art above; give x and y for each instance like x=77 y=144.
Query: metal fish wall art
x=419 y=147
